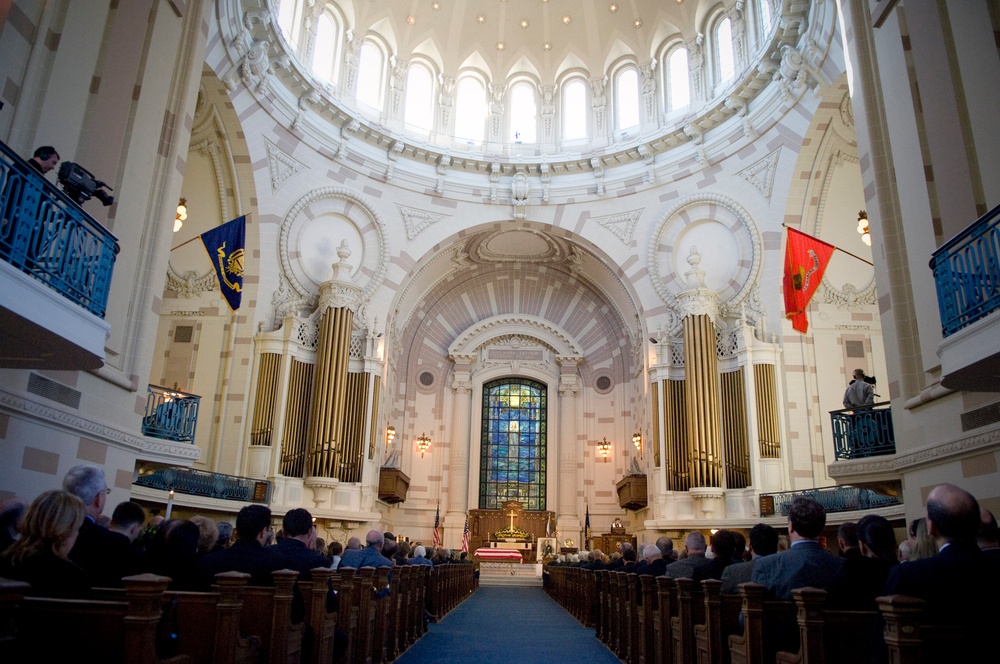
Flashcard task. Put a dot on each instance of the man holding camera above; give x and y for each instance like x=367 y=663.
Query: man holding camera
x=860 y=393
x=44 y=159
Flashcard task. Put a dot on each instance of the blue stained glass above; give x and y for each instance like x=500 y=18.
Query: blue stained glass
x=513 y=443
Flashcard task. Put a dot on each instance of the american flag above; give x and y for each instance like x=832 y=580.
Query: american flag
x=465 y=536
x=437 y=526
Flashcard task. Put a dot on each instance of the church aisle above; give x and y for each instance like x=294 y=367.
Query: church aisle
x=501 y=624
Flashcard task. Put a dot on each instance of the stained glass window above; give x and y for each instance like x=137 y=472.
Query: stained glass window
x=512 y=466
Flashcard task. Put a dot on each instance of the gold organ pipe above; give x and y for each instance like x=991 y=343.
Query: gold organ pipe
x=766 y=396
x=373 y=432
x=356 y=412
x=675 y=430
x=293 y=447
x=342 y=356
x=702 y=392
x=264 y=400
x=736 y=442
x=319 y=413
x=655 y=433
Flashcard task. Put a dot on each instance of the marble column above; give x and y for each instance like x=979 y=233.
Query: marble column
x=458 y=457
x=570 y=452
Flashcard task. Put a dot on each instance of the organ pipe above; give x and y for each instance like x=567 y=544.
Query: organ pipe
x=701 y=380
x=655 y=434
x=736 y=443
x=265 y=399
x=766 y=395
x=328 y=402
x=293 y=446
x=674 y=433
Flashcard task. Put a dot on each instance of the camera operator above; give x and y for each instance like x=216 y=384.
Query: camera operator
x=44 y=159
x=860 y=393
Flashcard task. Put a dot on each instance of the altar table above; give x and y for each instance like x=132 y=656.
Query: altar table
x=499 y=555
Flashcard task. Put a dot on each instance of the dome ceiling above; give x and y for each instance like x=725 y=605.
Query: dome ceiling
x=544 y=37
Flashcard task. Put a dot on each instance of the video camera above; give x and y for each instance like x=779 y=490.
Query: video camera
x=80 y=184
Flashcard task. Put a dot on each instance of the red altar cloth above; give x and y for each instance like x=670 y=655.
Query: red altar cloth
x=499 y=555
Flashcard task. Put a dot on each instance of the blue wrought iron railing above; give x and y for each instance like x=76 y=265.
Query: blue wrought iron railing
x=967 y=274
x=833 y=499
x=170 y=414
x=213 y=485
x=863 y=432
x=44 y=233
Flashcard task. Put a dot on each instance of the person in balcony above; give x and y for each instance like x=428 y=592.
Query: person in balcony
x=859 y=393
x=44 y=159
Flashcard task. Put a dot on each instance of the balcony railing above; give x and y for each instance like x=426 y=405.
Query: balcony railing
x=863 y=432
x=967 y=274
x=44 y=233
x=212 y=485
x=170 y=414
x=833 y=499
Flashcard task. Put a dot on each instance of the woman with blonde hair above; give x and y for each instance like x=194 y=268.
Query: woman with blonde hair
x=48 y=532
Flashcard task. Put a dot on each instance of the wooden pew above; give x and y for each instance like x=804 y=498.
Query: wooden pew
x=690 y=610
x=320 y=622
x=381 y=604
x=722 y=619
x=106 y=631
x=602 y=601
x=11 y=594
x=666 y=592
x=650 y=606
x=827 y=635
x=763 y=622
x=267 y=614
x=910 y=638
x=344 y=582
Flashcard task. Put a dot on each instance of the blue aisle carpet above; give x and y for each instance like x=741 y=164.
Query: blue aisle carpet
x=507 y=624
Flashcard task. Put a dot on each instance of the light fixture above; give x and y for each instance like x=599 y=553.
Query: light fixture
x=435 y=6
x=613 y=8
x=411 y=20
x=524 y=22
x=566 y=19
x=638 y=23
x=423 y=444
x=547 y=46
x=390 y=434
x=863 y=227
x=481 y=19
x=637 y=441
x=500 y=46
x=182 y=214
x=604 y=447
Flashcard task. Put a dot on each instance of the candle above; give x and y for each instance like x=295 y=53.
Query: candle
x=170 y=504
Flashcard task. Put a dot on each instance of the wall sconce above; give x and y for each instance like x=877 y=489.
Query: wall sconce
x=637 y=441
x=182 y=214
x=390 y=434
x=423 y=444
x=604 y=447
x=863 y=227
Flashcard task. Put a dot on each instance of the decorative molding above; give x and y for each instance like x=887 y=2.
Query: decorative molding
x=280 y=165
x=416 y=220
x=74 y=424
x=191 y=284
x=848 y=297
x=488 y=331
x=622 y=224
x=760 y=174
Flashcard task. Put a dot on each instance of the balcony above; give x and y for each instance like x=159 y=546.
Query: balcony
x=833 y=499
x=55 y=273
x=170 y=414
x=863 y=432
x=191 y=482
x=967 y=275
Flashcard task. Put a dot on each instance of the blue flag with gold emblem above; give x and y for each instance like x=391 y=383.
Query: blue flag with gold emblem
x=225 y=247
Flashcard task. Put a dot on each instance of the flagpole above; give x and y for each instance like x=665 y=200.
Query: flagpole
x=863 y=260
x=247 y=215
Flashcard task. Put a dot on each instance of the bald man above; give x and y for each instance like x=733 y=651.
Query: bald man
x=370 y=556
x=960 y=584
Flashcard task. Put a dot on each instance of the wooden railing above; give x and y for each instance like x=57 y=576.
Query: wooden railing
x=646 y=620
x=349 y=616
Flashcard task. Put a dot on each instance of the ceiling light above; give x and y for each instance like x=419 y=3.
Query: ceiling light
x=435 y=6
x=411 y=19
x=863 y=228
x=547 y=46
x=613 y=8
x=182 y=214
x=481 y=19
x=524 y=22
x=638 y=23
x=500 y=46
x=566 y=19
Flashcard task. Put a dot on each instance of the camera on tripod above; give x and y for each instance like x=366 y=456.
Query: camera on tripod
x=80 y=184
x=872 y=381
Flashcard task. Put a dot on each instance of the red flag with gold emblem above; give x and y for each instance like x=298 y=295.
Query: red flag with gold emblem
x=806 y=259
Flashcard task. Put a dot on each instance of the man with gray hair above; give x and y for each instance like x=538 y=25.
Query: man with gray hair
x=102 y=554
x=370 y=556
x=419 y=556
x=695 y=547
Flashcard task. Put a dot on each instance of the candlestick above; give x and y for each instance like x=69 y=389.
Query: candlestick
x=170 y=504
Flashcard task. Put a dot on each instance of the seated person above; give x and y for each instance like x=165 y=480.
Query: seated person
x=296 y=550
x=173 y=552
x=247 y=554
x=41 y=557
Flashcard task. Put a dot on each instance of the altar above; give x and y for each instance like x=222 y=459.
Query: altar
x=492 y=554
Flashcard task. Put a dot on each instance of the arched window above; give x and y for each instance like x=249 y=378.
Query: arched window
x=470 y=110
x=289 y=20
x=523 y=113
x=764 y=12
x=724 y=50
x=513 y=444
x=678 y=80
x=627 y=98
x=371 y=74
x=324 y=51
x=418 y=112
x=574 y=110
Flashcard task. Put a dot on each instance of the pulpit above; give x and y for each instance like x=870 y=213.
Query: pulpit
x=632 y=492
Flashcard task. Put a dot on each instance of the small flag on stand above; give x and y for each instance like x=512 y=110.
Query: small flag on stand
x=586 y=531
x=548 y=526
x=226 y=248
x=437 y=526
x=465 y=536
x=806 y=259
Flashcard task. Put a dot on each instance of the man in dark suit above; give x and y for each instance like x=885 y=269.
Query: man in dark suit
x=652 y=562
x=247 y=554
x=960 y=584
x=847 y=540
x=763 y=542
x=988 y=538
x=296 y=550
x=103 y=554
x=695 y=547
x=806 y=563
x=370 y=556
